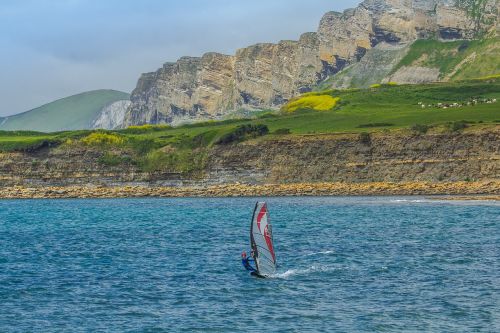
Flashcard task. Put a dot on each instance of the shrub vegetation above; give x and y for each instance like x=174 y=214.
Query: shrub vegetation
x=314 y=102
x=243 y=132
x=419 y=128
x=103 y=139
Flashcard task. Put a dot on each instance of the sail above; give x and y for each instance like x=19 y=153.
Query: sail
x=261 y=237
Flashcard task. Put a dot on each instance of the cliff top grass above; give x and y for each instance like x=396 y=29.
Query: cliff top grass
x=388 y=107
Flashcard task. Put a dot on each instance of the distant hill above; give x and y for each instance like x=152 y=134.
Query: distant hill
x=70 y=113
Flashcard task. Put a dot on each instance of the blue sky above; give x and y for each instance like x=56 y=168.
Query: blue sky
x=55 y=48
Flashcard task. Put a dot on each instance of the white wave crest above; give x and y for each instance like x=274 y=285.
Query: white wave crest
x=321 y=252
x=304 y=271
x=409 y=200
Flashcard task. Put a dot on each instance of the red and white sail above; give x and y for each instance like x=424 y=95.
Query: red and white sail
x=261 y=236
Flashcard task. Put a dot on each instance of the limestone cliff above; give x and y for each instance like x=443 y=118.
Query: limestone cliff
x=473 y=155
x=111 y=116
x=265 y=76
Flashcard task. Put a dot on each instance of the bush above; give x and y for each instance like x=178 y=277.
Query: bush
x=111 y=159
x=185 y=162
x=375 y=86
x=31 y=145
x=204 y=139
x=103 y=139
x=145 y=129
x=365 y=138
x=458 y=126
x=282 y=131
x=143 y=146
x=419 y=128
x=243 y=132
x=316 y=103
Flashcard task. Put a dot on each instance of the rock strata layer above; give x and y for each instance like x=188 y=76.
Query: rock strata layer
x=472 y=156
x=265 y=76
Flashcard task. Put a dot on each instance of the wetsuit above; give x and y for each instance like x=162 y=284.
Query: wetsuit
x=246 y=264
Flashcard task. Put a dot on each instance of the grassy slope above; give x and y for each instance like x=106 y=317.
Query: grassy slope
x=388 y=107
x=457 y=60
x=373 y=68
x=397 y=105
x=70 y=113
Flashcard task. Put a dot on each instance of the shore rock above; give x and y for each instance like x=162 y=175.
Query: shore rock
x=464 y=189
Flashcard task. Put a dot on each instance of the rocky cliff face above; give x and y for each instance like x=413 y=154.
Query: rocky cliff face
x=267 y=75
x=111 y=116
x=392 y=157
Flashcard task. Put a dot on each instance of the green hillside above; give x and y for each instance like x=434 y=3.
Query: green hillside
x=457 y=60
x=454 y=60
x=70 y=113
x=449 y=107
x=356 y=110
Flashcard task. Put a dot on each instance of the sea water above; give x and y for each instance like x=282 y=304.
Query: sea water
x=173 y=265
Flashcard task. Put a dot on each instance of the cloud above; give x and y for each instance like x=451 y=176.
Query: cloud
x=55 y=48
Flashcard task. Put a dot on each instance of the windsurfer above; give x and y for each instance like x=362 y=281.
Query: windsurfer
x=246 y=262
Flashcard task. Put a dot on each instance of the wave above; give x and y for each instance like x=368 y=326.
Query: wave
x=409 y=200
x=304 y=271
x=321 y=252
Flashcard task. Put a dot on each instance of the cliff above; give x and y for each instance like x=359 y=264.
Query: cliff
x=397 y=157
x=265 y=76
x=111 y=116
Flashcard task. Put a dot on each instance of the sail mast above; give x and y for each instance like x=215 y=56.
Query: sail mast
x=261 y=237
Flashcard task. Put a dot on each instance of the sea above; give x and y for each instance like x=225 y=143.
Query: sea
x=345 y=264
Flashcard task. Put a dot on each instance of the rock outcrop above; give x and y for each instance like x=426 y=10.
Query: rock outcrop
x=376 y=65
x=111 y=116
x=265 y=76
x=473 y=155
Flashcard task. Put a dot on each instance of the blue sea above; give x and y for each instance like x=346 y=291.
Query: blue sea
x=377 y=264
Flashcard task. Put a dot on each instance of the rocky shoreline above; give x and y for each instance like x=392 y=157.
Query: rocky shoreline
x=458 y=190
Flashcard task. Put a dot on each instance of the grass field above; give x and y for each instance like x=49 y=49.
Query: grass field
x=184 y=148
x=69 y=113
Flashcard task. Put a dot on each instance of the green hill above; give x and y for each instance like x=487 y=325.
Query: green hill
x=437 y=107
x=425 y=60
x=70 y=113
x=458 y=60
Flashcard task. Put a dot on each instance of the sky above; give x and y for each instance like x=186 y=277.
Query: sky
x=51 y=49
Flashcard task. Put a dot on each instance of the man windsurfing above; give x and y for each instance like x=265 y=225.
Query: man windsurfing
x=261 y=243
x=245 y=261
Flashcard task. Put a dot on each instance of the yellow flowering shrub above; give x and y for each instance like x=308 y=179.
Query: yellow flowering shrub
x=140 y=127
x=317 y=103
x=103 y=139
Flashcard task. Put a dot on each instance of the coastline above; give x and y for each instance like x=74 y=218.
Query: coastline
x=483 y=190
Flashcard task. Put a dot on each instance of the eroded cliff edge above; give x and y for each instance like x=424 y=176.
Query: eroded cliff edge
x=265 y=76
x=472 y=156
